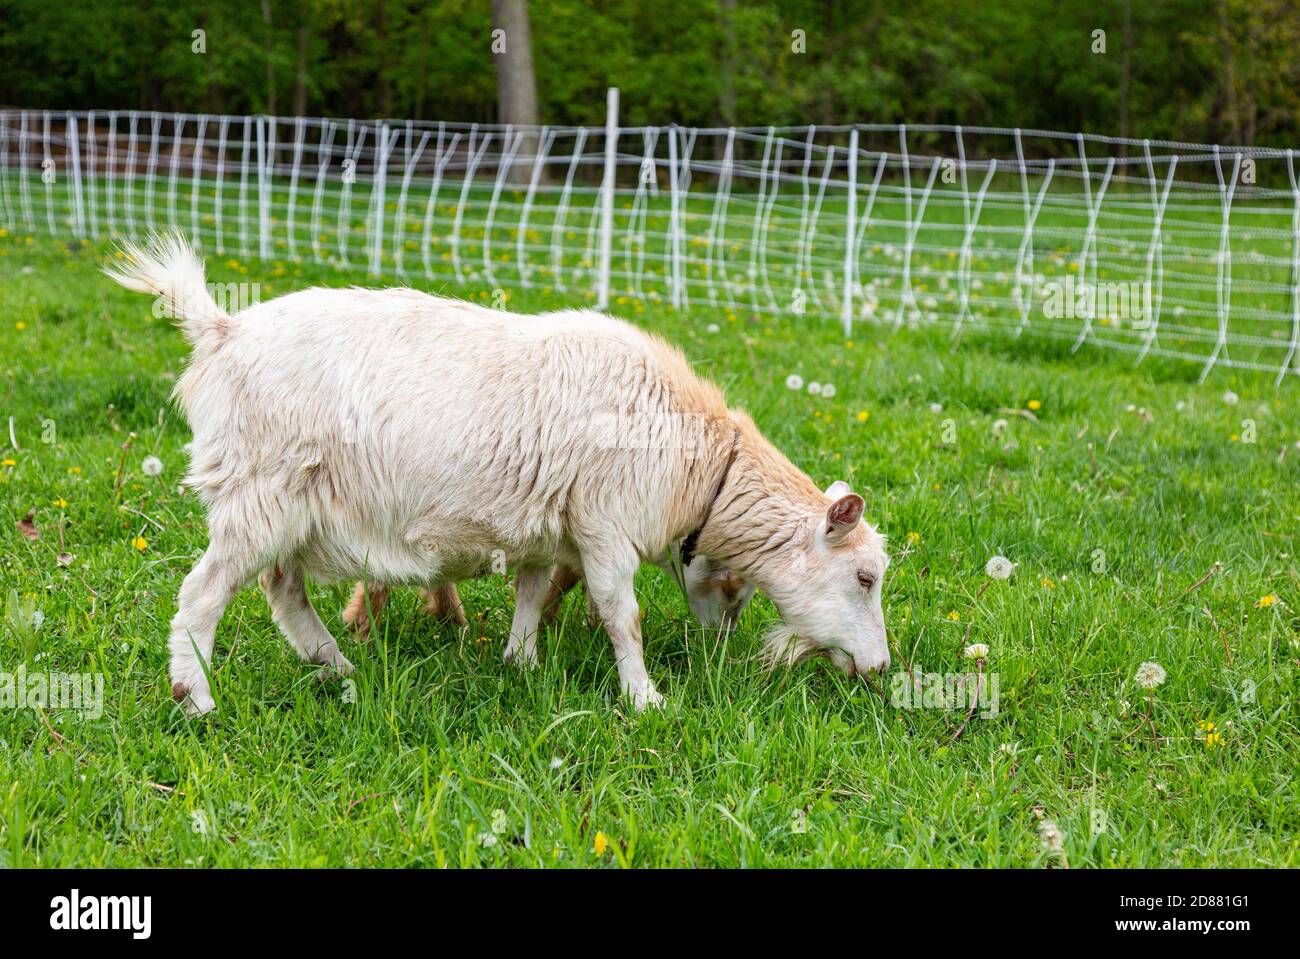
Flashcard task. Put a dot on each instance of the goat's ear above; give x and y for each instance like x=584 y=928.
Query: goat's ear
x=837 y=489
x=842 y=516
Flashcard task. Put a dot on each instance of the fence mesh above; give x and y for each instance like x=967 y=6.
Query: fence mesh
x=1154 y=248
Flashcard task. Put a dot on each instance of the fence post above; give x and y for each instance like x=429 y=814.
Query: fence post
x=263 y=218
x=74 y=158
x=607 y=198
x=378 y=186
x=674 y=228
x=850 y=231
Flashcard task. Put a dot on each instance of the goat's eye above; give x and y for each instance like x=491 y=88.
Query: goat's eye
x=866 y=580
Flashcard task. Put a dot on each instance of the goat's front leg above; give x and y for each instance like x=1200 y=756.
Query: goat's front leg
x=610 y=587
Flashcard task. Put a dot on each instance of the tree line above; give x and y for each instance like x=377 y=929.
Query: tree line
x=1196 y=70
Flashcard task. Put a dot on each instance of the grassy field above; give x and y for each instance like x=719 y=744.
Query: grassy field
x=1116 y=492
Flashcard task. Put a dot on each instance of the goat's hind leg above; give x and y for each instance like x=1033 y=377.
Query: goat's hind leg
x=362 y=612
x=297 y=619
x=228 y=563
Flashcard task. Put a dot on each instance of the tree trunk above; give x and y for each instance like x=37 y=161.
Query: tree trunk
x=1126 y=79
x=1229 y=75
x=516 y=84
x=727 y=91
x=302 y=41
x=270 y=58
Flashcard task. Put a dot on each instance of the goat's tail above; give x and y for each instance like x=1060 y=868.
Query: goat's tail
x=168 y=268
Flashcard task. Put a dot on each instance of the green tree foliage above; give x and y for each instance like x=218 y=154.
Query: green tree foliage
x=1216 y=70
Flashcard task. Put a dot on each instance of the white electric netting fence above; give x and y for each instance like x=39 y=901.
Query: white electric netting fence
x=1173 y=249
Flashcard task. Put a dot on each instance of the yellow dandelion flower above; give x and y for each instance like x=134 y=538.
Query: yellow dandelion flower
x=1047 y=582
x=913 y=538
x=60 y=503
x=1213 y=739
x=20 y=325
x=601 y=844
x=863 y=416
x=140 y=543
x=954 y=616
x=1035 y=405
x=1264 y=602
x=74 y=470
x=8 y=462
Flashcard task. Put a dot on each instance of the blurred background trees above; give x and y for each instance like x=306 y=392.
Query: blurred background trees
x=1201 y=70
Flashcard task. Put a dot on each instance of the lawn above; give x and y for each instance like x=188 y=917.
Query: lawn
x=1149 y=518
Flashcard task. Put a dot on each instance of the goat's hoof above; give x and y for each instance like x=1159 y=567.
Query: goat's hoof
x=197 y=702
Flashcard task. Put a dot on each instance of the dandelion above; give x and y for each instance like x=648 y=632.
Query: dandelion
x=1264 y=602
x=8 y=461
x=863 y=416
x=1231 y=398
x=1046 y=583
x=140 y=543
x=1150 y=675
x=998 y=567
x=557 y=762
x=600 y=844
x=814 y=388
x=794 y=382
x=999 y=427
x=936 y=408
x=487 y=840
x=1034 y=405
x=714 y=328
x=59 y=503
x=954 y=616
x=828 y=390
x=1052 y=836
x=913 y=538
x=976 y=651
x=152 y=466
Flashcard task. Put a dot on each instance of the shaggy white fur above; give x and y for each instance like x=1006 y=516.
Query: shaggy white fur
x=406 y=438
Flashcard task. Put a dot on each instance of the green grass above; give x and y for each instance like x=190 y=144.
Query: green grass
x=439 y=745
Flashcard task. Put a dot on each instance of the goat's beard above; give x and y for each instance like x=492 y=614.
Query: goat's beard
x=782 y=646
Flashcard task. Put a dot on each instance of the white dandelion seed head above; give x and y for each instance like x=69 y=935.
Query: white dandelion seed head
x=976 y=651
x=794 y=381
x=999 y=427
x=999 y=567
x=714 y=328
x=151 y=466
x=815 y=388
x=1150 y=675
x=557 y=762
x=1180 y=406
x=1231 y=398
x=828 y=390
x=936 y=408
x=1052 y=835
x=37 y=618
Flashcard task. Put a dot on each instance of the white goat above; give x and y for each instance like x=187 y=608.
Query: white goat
x=393 y=434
